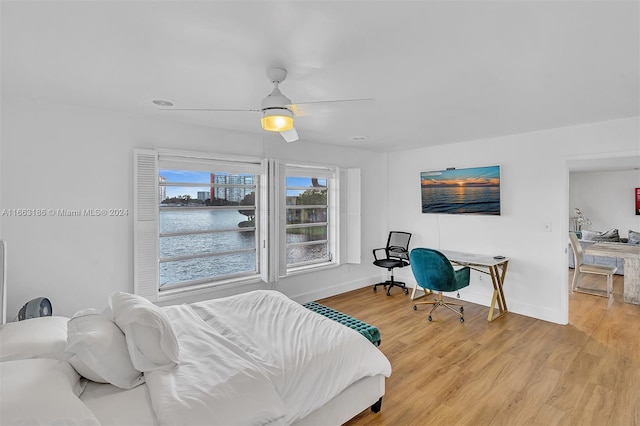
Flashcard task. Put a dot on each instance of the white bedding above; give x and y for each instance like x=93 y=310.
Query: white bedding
x=215 y=383
x=254 y=358
x=41 y=391
x=114 y=406
x=309 y=358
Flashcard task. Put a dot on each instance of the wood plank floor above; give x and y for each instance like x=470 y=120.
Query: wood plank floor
x=514 y=371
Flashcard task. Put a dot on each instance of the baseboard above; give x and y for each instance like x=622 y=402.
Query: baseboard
x=537 y=312
x=466 y=295
x=324 y=292
x=483 y=299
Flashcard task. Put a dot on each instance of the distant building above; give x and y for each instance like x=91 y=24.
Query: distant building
x=235 y=194
x=162 y=190
x=203 y=195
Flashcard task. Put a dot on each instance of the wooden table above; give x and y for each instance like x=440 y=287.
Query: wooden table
x=631 y=255
x=489 y=265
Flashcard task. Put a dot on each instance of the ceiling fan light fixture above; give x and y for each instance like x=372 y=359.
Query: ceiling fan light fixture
x=277 y=119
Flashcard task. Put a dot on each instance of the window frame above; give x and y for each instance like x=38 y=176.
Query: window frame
x=343 y=216
x=147 y=164
x=210 y=254
x=311 y=170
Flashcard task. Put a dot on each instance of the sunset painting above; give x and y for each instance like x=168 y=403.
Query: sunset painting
x=461 y=191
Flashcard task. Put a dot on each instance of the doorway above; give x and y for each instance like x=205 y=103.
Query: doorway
x=594 y=184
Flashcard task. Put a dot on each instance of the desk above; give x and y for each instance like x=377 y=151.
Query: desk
x=497 y=268
x=631 y=255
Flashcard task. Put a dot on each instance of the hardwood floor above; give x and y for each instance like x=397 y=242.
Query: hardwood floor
x=514 y=371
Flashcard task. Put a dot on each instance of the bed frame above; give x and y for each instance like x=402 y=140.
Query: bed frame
x=113 y=406
x=361 y=395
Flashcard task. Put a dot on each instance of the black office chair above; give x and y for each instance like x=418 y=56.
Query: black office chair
x=396 y=256
x=433 y=271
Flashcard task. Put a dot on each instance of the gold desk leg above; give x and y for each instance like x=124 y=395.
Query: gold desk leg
x=426 y=292
x=497 y=278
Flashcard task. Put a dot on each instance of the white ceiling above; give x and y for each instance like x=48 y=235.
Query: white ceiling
x=439 y=71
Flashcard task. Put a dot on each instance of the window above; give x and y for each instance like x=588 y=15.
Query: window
x=197 y=221
x=310 y=216
x=307 y=218
x=207 y=226
x=203 y=221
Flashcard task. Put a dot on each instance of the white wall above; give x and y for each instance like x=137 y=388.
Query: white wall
x=1 y=204
x=63 y=157
x=57 y=157
x=534 y=187
x=606 y=198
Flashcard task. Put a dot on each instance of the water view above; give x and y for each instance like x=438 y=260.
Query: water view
x=232 y=237
x=469 y=200
x=463 y=191
x=175 y=221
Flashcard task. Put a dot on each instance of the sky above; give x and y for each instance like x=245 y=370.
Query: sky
x=191 y=177
x=186 y=176
x=477 y=176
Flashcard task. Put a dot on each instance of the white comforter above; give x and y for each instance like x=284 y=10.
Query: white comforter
x=257 y=358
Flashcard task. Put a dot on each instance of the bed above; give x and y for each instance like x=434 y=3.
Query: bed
x=253 y=358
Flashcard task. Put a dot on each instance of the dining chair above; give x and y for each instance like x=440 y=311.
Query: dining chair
x=584 y=268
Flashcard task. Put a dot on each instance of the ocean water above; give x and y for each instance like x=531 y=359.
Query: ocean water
x=184 y=245
x=462 y=200
x=173 y=272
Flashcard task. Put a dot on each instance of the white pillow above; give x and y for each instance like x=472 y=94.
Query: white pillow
x=611 y=235
x=43 y=337
x=97 y=349
x=589 y=235
x=42 y=392
x=151 y=338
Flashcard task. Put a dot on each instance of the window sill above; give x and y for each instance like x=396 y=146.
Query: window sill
x=311 y=268
x=197 y=289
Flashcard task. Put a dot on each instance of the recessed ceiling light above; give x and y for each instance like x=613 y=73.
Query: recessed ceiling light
x=359 y=138
x=162 y=102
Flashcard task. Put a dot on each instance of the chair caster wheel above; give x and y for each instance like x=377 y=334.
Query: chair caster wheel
x=415 y=308
x=461 y=319
x=429 y=318
x=388 y=294
x=375 y=289
x=461 y=309
x=406 y=291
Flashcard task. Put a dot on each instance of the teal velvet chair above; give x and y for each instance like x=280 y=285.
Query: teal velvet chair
x=433 y=271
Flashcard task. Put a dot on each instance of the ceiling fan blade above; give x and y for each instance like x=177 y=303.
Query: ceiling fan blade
x=209 y=109
x=302 y=109
x=290 y=135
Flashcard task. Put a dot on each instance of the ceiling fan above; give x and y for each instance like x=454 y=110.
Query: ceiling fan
x=277 y=111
